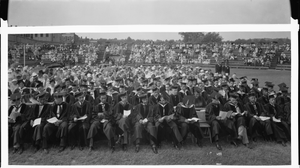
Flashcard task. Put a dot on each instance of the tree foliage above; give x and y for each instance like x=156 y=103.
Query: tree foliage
x=201 y=37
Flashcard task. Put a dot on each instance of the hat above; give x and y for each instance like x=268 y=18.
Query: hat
x=78 y=94
x=243 y=77
x=281 y=85
x=33 y=74
x=151 y=84
x=231 y=80
x=102 y=93
x=284 y=89
x=254 y=79
x=122 y=94
x=129 y=79
x=251 y=94
x=272 y=95
x=174 y=87
x=52 y=80
x=265 y=88
x=39 y=84
x=143 y=96
x=233 y=95
x=20 y=81
x=269 y=84
x=15 y=96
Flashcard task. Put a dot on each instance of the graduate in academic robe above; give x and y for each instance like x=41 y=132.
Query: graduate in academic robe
x=19 y=122
x=41 y=111
x=78 y=129
x=283 y=98
x=255 y=124
x=109 y=99
x=144 y=121
x=166 y=127
x=155 y=97
x=184 y=112
x=199 y=100
x=231 y=86
x=219 y=126
x=113 y=93
x=134 y=99
x=175 y=97
x=60 y=110
x=238 y=116
x=281 y=129
x=184 y=90
x=264 y=99
x=130 y=87
x=87 y=96
x=123 y=122
x=209 y=93
x=122 y=89
x=224 y=92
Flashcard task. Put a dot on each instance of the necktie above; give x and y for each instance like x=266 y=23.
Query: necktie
x=237 y=109
x=40 y=110
x=164 y=111
x=103 y=107
x=255 y=108
x=58 y=110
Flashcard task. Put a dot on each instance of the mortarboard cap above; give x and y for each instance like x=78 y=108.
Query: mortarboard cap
x=142 y=96
x=269 y=84
x=122 y=94
x=233 y=95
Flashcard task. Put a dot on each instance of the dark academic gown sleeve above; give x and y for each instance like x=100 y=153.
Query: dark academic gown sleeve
x=209 y=113
x=192 y=113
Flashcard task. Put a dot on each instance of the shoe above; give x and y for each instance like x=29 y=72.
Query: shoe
x=239 y=137
x=283 y=143
x=124 y=147
x=159 y=145
x=154 y=149
x=218 y=146
x=91 y=149
x=254 y=139
x=46 y=151
x=37 y=148
x=199 y=143
x=72 y=147
x=177 y=147
x=249 y=146
x=112 y=149
x=15 y=150
x=137 y=148
x=81 y=148
x=62 y=148
x=21 y=150
x=233 y=143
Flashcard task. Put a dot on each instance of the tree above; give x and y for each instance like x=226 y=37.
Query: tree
x=200 y=37
x=192 y=37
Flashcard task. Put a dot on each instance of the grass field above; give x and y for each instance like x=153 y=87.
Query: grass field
x=274 y=76
x=264 y=153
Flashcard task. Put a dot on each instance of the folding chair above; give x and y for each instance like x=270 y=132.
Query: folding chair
x=203 y=123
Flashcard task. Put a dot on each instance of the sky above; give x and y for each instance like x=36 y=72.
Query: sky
x=175 y=36
x=128 y=12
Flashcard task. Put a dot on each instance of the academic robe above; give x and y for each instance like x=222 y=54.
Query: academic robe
x=70 y=99
x=142 y=112
x=154 y=100
x=254 y=125
x=123 y=123
x=185 y=127
x=167 y=128
x=61 y=129
x=219 y=127
x=239 y=120
x=109 y=100
x=78 y=130
x=175 y=99
x=263 y=100
x=281 y=129
x=21 y=126
x=38 y=129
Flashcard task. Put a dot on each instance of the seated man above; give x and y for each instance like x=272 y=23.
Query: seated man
x=41 y=111
x=164 y=123
x=280 y=127
x=78 y=128
x=238 y=116
x=19 y=123
x=144 y=120
x=184 y=114
x=123 y=121
x=256 y=124
x=60 y=110
x=218 y=125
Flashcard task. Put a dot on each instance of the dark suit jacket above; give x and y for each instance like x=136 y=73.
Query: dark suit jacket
x=80 y=110
x=43 y=115
x=64 y=114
